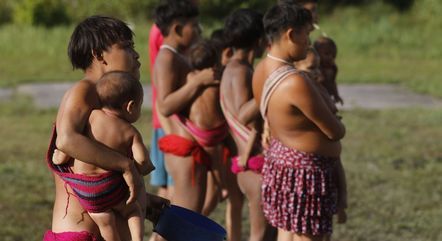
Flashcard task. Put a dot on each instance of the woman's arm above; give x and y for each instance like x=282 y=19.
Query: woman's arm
x=72 y=118
x=308 y=99
x=171 y=99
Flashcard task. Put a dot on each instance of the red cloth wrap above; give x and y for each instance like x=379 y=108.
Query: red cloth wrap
x=180 y=146
x=70 y=236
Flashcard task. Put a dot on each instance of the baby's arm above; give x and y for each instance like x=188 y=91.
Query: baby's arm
x=332 y=73
x=141 y=155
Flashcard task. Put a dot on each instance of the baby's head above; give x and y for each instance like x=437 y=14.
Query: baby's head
x=121 y=92
x=310 y=65
x=202 y=55
x=327 y=50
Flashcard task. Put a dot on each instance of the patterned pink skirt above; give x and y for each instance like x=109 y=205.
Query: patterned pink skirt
x=299 y=193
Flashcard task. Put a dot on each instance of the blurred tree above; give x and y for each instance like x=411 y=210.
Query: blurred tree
x=40 y=12
x=5 y=11
x=401 y=5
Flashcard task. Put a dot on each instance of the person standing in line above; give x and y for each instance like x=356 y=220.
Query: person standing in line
x=299 y=190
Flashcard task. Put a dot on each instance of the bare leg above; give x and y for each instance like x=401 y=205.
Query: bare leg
x=136 y=224
x=250 y=184
x=215 y=180
x=187 y=194
x=107 y=225
x=234 y=206
x=342 y=192
x=308 y=237
x=284 y=235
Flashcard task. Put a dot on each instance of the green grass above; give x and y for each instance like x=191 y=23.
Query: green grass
x=393 y=161
x=37 y=54
x=379 y=45
x=376 y=44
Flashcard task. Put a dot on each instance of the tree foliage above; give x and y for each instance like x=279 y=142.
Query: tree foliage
x=56 y=12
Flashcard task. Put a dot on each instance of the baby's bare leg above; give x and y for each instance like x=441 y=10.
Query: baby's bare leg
x=107 y=225
x=135 y=219
x=342 y=192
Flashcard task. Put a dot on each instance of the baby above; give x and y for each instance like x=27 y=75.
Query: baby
x=327 y=51
x=121 y=97
x=311 y=67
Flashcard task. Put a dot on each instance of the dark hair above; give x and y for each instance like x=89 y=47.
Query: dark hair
x=243 y=28
x=219 y=43
x=282 y=16
x=115 y=88
x=326 y=42
x=203 y=55
x=95 y=34
x=217 y=39
x=173 y=10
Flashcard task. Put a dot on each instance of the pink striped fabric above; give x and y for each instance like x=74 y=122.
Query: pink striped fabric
x=95 y=193
x=208 y=138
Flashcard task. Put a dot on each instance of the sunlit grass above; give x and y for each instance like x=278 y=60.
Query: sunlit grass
x=393 y=161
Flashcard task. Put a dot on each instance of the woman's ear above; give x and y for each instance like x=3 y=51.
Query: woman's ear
x=98 y=57
x=228 y=52
x=289 y=34
x=178 y=28
x=130 y=106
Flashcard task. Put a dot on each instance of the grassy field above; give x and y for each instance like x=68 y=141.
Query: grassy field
x=393 y=169
x=376 y=45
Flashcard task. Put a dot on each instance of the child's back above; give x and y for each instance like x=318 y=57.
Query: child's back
x=205 y=112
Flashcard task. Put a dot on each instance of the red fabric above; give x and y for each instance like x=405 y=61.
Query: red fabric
x=226 y=154
x=255 y=163
x=180 y=146
x=155 y=41
x=69 y=236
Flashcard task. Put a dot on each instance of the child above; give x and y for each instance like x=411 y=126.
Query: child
x=327 y=51
x=98 y=45
x=243 y=33
x=159 y=177
x=310 y=65
x=121 y=97
x=205 y=121
x=178 y=23
x=305 y=134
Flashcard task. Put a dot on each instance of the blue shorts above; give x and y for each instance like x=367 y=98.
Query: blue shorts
x=159 y=176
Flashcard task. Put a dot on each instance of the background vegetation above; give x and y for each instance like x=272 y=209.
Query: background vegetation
x=393 y=158
x=379 y=41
